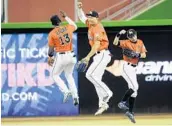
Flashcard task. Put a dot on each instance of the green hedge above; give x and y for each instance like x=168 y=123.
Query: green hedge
x=79 y=24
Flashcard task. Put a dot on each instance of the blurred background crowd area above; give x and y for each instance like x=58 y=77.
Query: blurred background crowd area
x=41 y=10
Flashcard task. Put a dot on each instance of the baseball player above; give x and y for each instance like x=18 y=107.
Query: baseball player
x=101 y=56
x=133 y=49
x=60 y=42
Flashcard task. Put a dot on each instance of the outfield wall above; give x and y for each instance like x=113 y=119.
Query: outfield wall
x=27 y=87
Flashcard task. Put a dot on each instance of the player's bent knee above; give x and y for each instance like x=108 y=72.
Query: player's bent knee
x=110 y=93
x=136 y=87
x=95 y=78
x=134 y=94
x=91 y=77
x=88 y=76
x=55 y=76
x=68 y=75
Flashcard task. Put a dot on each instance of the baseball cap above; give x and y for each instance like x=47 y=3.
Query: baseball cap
x=55 y=20
x=93 y=14
x=131 y=33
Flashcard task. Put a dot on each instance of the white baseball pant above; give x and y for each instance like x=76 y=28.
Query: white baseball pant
x=129 y=74
x=65 y=62
x=95 y=72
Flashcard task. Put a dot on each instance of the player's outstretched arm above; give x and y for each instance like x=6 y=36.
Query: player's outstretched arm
x=81 y=14
x=143 y=51
x=71 y=22
x=50 y=56
x=93 y=50
x=117 y=37
x=50 y=50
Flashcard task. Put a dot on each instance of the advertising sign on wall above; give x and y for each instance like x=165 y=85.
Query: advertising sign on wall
x=27 y=88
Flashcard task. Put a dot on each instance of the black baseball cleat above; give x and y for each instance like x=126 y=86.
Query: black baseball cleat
x=76 y=101
x=130 y=116
x=122 y=105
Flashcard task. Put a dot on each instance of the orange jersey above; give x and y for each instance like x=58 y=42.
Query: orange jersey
x=97 y=32
x=61 y=38
x=137 y=47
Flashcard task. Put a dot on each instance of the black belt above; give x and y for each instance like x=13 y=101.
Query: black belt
x=133 y=65
x=65 y=52
x=101 y=50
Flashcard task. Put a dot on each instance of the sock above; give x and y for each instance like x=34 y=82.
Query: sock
x=131 y=104
x=127 y=95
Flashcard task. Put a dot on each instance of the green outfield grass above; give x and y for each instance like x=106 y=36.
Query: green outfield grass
x=161 y=11
x=79 y=24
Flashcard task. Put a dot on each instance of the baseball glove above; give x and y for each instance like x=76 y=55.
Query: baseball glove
x=50 y=61
x=131 y=54
x=81 y=66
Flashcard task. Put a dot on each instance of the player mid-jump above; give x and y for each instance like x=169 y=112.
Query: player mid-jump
x=99 y=49
x=133 y=49
x=60 y=41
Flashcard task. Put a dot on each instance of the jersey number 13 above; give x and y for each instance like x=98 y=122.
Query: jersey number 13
x=64 y=39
